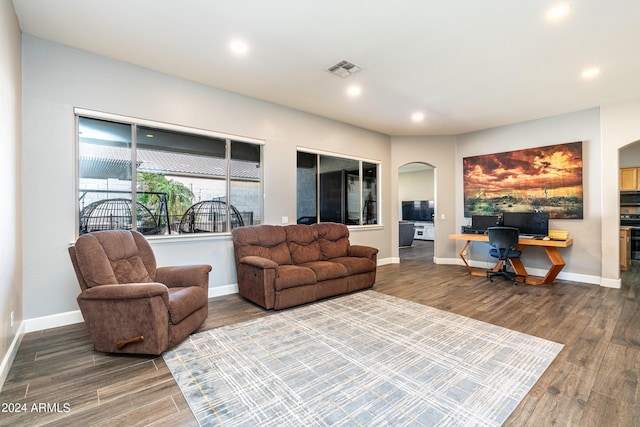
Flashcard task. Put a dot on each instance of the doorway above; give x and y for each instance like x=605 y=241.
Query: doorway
x=629 y=163
x=417 y=205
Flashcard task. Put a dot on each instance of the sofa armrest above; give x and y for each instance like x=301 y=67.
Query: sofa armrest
x=363 y=251
x=127 y=291
x=184 y=275
x=259 y=262
x=256 y=280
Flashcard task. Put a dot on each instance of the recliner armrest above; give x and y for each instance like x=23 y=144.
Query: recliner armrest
x=184 y=275
x=128 y=291
x=258 y=262
x=363 y=251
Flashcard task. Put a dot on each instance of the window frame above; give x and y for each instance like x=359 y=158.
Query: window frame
x=136 y=123
x=361 y=160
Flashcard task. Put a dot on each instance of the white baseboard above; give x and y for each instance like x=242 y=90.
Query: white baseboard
x=72 y=317
x=387 y=261
x=219 y=291
x=573 y=277
x=8 y=358
x=611 y=283
x=453 y=261
x=53 y=321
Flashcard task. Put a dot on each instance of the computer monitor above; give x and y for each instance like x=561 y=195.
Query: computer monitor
x=529 y=223
x=482 y=222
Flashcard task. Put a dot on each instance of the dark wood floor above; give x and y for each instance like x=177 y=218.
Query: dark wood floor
x=593 y=382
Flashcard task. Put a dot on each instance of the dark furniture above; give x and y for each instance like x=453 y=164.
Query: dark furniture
x=284 y=266
x=504 y=241
x=128 y=304
x=406 y=232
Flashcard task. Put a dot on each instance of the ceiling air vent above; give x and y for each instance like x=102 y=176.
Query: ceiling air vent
x=344 y=68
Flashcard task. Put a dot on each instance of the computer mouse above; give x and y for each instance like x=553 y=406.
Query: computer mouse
x=546 y=238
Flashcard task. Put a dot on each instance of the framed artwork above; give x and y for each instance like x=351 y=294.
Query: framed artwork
x=542 y=179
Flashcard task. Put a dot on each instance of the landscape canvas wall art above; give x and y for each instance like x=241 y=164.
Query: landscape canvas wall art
x=542 y=179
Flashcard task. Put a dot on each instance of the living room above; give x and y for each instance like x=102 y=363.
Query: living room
x=48 y=80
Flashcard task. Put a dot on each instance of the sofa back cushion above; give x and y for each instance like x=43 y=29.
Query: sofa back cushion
x=333 y=239
x=303 y=243
x=267 y=241
x=115 y=256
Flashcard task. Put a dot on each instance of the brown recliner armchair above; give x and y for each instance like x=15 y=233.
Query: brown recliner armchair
x=129 y=305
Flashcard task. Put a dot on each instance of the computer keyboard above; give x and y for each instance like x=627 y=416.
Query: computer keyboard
x=525 y=236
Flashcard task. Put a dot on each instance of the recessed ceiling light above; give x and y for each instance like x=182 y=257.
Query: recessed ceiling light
x=354 y=90
x=417 y=116
x=149 y=135
x=558 y=12
x=590 y=73
x=239 y=47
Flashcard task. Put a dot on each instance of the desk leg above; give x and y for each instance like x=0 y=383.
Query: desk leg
x=557 y=264
x=518 y=268
x=471 y=270
x=461 y=255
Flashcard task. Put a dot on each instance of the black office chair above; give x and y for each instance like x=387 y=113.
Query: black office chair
x=503 y=241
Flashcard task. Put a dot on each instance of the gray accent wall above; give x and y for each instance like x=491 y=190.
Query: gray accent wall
x=583 y=258
x=11 y=295
x=55 y=79
x=58 y=78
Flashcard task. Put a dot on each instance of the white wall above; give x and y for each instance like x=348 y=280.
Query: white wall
x=584 y=257
x=630 y=156
x=57 y=79
x=416 y=185
x=439 y=152
x=10 y=171
x=620 y=127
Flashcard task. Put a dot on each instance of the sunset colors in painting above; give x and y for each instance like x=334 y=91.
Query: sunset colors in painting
x=547 y=179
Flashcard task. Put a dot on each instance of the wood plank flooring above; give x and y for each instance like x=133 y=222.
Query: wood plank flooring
x=593 y=382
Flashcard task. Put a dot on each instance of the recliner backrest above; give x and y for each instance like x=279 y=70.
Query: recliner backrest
x=302 y=242
x=267 y=241
x=114 y=257
x=333 y=239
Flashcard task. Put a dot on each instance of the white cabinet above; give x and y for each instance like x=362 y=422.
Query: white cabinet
x=424 y=231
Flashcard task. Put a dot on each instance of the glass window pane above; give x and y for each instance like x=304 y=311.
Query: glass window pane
x=337 y=177
x=245 y=178
x=370 y=192
x=175 y=172
x=104 y=171
x=306 y=188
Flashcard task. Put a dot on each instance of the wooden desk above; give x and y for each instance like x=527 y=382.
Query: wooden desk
x=550 y=247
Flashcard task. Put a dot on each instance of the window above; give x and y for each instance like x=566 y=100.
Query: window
x=336 y=189
x=165 y=181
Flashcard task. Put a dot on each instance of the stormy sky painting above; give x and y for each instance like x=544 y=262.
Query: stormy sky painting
x=542 y=179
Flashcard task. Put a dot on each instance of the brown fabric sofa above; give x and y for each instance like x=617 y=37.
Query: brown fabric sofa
x=284 y=266
x=125 y=296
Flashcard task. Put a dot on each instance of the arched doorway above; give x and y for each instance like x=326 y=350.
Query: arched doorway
x=416 y=203
x=629 y=163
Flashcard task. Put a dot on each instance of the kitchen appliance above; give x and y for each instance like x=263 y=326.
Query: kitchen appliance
x=630 y=216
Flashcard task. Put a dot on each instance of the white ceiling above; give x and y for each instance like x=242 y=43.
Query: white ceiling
x=466 y=64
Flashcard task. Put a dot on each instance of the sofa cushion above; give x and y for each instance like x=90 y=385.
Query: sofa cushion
x=356 y=265
x=290 y=276
x=267 y=241
x=303 y=243
x=184 y=301
x=333 y=239
x=326 y=270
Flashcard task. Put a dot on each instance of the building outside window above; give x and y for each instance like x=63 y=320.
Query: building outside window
x=163 y=181
x=336 y=189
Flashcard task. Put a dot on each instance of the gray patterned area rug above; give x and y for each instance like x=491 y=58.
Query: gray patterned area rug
x=364 y=359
